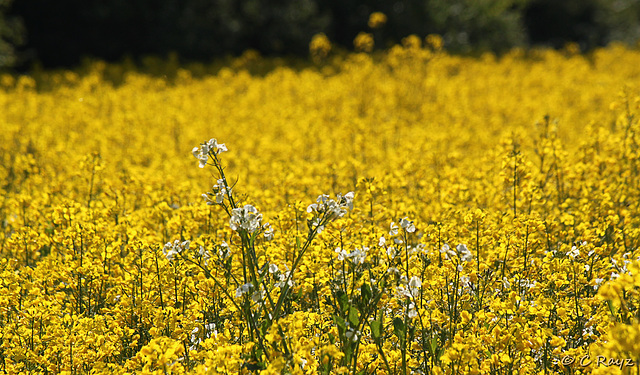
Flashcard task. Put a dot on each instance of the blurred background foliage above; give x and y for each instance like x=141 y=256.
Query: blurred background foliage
x=59 y=33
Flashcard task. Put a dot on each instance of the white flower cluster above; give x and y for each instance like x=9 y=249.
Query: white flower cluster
x=357 y=256
x=412 y=289
x=245 y=288
x=170 y=249
x=464 y=253
x=405 y=224
x=333 y=209
x=268 y=232
x=574 y=252
x=204 y=253
x=247 y=218
x=224 y=250
x=196 y=335
x=202 y=153
x=461 y=251
x=219 y=190
x=623 y=269
x=281 y=276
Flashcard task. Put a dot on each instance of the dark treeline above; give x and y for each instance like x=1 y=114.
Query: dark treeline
x=60 y=33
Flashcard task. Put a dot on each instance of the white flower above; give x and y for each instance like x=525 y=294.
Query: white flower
x=283 y=277
x=170 y=253
x=315 y=224
x=391 y=252
x=412 y=311
x=446 y=250
x=598 y=283
x=574 y=252
x=220 y=192
x=331 y=208
x=528 y=284
x=245 y=288
x=403 y=292
x=170 y=249
x=341 y=253
x=246 y=218
x=407 y=225
x=505 y=283
x=352 y=334
x=358 y=255
x=268 y=233
x=224 y=250
x=202 y=153
x=414 y=285
x=465 y=282
x=346 y=201
x=273 y=268
x=205 y=255
x=207 y=199
x=464 y=253
x=195 y=339
x=382 y=241
x=209 y=329
x=258 y=295
x=393 y=229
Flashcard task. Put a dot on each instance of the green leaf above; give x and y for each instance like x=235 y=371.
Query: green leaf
x=297 y=242
x=332 y=338
x=343 y=300
x=342 y=327
x=365 y=290
x=354 y=319
x=399 y=328
x=383 y=283
x=376 y=329
x=433 y=345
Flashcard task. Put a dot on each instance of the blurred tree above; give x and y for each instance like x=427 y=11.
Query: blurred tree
x=590 y=23
x=61 y=32
x=463 y=24
x=11 y=34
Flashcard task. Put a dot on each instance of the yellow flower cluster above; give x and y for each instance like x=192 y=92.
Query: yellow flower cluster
x=493 y=227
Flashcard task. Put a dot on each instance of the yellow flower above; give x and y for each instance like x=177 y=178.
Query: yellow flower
x=363 y=42
x=377 y=20
x=320 y=46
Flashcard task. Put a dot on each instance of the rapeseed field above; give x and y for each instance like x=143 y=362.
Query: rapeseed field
x=397 y=212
